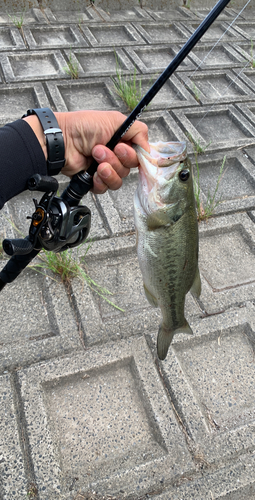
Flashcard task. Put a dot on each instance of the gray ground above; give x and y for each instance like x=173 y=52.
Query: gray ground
x=87 y=411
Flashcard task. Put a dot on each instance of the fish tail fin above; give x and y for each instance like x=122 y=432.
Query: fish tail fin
x=165 y=337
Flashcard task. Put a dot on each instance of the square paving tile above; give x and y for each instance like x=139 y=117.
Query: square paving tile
x=219 y=127
x=208 y=56
x=11 y=39
x=162 y=33
x=103 y=418
x=149 y=59
x=218 y=30
x=227 y=262
x=50 y=37
x=115 y=35
x=99 y=62
x=15 y=100
x=236 y=189
x=38 y=323
x=33 y=66
x=89 y=94
x=219 y=86
x=210 y=378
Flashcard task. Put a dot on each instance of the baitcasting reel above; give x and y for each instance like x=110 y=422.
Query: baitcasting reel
x=55 y=226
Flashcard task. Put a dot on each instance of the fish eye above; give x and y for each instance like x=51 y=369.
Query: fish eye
x=184 y=175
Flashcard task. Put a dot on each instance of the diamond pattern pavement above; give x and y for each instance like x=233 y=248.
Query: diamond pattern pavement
x=86 y=408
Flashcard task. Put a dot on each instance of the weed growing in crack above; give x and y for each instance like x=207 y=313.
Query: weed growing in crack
x=204 y=211
x=64 y=265
x=127 y=87
x=197 y=147
x=18 y=20
x=72 y=68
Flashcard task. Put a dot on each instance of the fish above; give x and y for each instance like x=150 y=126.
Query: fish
x=167 y=235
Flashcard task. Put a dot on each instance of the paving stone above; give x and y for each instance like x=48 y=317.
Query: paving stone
x=39 y=323
x=98 y=62
x=206 y=56
x=149 y=59
x=114 y=35
x=163 y=33
x=230 y=481
x=33 y=66
x=131 y=14
x=175 y=14
x=162 y=127
x=28 y=16
x=77 y=95
x=15 y=100
x=226 y=14
x=74 y=16
x=216 y=128
x=217 y=30
x=236 y=190
x=10 y=38
x=13 y=482
x=248 y=110
x=117 y=392
x=249 y=152
x=210 y=379
x=248 y=77
x=244 y=49
x=226 y=262
x=246 y=30
x=54 y=36
x=218 y=86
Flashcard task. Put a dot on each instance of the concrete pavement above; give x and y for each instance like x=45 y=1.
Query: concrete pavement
x=87 y=410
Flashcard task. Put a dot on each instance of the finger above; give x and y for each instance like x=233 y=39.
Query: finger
x=105 y=178
x=127 y=155
x=104 y=155
x=138 y=134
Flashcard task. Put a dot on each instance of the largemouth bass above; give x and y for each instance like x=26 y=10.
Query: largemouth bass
x=167 y=235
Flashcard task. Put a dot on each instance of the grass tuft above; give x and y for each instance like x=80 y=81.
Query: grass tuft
x=18 y=20
x=206 y=211
x=198 y=149
x=127 y=87
x=72 y=68
x=63 y=265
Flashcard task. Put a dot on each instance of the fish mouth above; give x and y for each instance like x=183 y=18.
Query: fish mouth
x=161 y=163
x=164 y=154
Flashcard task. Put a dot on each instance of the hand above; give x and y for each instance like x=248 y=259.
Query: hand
x=85 y=135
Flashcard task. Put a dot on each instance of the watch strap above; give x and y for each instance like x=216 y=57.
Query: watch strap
x=54 y=139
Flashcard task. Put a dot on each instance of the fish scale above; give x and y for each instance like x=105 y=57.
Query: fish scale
x=167 y=235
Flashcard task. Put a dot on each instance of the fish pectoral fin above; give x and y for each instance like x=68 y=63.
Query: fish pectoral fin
x=167 y=216
x=196 y=286
x=151 y=299
x=165 y=337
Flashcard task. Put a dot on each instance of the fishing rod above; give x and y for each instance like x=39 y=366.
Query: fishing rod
x=82 y=182
x=59 y=223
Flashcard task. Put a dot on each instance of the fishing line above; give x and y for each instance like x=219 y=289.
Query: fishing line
x=82 y=182
x=202 y=62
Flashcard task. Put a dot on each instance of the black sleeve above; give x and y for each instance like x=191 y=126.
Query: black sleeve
x=20 y=157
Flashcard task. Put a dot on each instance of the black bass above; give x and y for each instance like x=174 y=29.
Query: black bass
x=167 y=235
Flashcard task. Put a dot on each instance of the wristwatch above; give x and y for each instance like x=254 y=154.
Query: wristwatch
x=54 y=139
